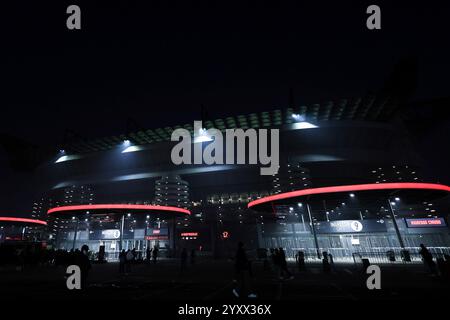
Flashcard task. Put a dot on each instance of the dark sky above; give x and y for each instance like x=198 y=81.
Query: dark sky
x=158 y=63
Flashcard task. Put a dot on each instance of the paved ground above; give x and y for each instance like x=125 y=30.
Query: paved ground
x=212 y=281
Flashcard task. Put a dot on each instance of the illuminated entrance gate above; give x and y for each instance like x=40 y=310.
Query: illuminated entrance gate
x=117 y=227
x=383 y=221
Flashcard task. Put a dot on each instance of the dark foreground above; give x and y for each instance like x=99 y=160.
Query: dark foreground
x=212 y=281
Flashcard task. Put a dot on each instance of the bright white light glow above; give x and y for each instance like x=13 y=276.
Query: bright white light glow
x=298 y=117
x=202 y=136
x=67 y=158
x=304 y=125
x=132 y=149
x=202 y=139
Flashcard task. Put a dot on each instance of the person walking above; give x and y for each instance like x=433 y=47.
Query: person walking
x=285 y=273
x=300 y=259
x=85 y=265
x=326 y=263
x=148 y=254
x=122 y=261
x=427 y=258
x=155 y=254
x=129 y=257
x=242 y=269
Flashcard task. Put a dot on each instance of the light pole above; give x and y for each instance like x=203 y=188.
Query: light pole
x=313 y=229
x=400 y=240
x=75 y=234
x=122 y=222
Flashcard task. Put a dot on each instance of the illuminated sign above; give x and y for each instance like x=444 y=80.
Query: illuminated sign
x=225 y=234
x=111 y=234
x=156 y=238
x=104 y=234
x=356 y=226
x=157 y=231
x=189 y=234
x=425 y=223
x=351 y=226
x=14 y=238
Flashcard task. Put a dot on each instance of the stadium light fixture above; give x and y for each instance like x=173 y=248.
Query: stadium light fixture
x=300 y=122
x=66 y=157
x=297 y=117
x=202 y=136
x=304 y=125
x=131 y=149
x=62 y=159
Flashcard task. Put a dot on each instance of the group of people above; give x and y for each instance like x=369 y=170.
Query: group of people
x=33 y=255
x=279 y=265
x=244 y=272
x=129 y=257
x=443 y=263
x=151 y=254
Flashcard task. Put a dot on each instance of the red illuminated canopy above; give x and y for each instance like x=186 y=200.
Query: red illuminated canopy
x=124 y=207
x=351 y=188
x=23 y=220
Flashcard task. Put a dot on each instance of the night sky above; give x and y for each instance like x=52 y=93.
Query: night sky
x=157 y=64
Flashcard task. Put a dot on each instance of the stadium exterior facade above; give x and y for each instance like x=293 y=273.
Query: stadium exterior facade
x=348 y=142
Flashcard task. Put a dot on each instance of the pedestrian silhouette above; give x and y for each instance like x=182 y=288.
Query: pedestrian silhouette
x=242 y=272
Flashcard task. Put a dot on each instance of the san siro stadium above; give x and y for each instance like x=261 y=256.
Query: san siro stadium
x=349 y=183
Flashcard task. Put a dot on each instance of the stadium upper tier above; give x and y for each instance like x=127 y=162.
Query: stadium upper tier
x=368 y=108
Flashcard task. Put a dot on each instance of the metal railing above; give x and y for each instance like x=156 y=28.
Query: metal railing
x=397 y=255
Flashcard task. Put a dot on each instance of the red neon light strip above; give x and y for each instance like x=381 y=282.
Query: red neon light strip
x=145 y=207
x=11 y=219
x=351 y=188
